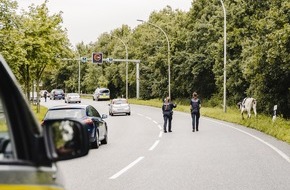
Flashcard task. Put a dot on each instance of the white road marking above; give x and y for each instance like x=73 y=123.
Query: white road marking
x=160 y=134
x=148 y=117
x=282 y=154
x=127 y=168
x=155 y=122
x=159 y=127
x=154 y=145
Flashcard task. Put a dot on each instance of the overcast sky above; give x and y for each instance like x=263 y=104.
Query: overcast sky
x=85 y=20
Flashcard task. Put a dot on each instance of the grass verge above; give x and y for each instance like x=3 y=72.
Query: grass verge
x=40 y=115
x=279 y=129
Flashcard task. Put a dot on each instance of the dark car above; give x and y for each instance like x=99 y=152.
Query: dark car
x=96 y=125
x=28 y=152
x=57 y=94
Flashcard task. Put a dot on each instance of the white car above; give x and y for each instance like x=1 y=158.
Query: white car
x=101 y=94
x=119 y=106
x=72 y=98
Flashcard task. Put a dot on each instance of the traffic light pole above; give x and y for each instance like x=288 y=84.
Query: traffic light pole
x=79 y=62
x=109 y=60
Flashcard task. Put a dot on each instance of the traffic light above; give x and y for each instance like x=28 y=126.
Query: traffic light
x=83 y=59
x=97 y=57
x=110 y=60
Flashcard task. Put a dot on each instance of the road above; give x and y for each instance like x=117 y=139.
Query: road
x=139 y=156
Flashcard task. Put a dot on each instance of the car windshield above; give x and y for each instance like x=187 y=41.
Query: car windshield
x=65 y=113
x=58 y=91
x=73 y=94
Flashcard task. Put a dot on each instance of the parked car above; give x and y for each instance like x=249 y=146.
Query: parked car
x=95 y=124
x=101 y=94
x=119 y=106
x=72 y=98
x=29 y=152
x=57 y=94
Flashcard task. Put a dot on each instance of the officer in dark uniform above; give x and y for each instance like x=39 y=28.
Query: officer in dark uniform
x=167 y=108
x=45 y=95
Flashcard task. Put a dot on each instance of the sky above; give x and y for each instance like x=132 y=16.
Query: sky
x=86 y=20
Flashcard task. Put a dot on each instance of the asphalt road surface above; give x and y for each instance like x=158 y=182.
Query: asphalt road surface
x=139 y=156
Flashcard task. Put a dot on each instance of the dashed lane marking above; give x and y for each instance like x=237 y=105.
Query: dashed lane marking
x=154 y=145
x=127 y=168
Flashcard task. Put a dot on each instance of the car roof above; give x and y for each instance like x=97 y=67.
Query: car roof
x=120 y=99
x=75 y=106
x=102 y=89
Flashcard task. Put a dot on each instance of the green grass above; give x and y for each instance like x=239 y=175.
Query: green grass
x=40 y=115
x=279 y=129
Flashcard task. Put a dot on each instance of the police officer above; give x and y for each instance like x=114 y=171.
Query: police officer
x=167 y=108
x=195 y=105
x=45 y=95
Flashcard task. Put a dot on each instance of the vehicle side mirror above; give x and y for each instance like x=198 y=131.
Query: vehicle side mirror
x=104 y=116
x=65 y=139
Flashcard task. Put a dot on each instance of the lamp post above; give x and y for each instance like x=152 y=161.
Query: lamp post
x=168 y=57
x=126 y=64
x=225 y=55
x=79 y=80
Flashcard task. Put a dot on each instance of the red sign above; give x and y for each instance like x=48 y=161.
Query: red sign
x=97 y=57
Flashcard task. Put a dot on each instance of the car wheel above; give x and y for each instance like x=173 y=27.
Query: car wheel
x=96 y=143
x=129 y=113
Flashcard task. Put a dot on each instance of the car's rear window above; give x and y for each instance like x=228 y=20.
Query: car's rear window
x=65 y=113
x=120 y=102
x=104 y=91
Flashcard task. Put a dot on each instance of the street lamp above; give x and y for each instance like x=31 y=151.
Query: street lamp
x=79 y=80
x=225 y=55
x=126 y=64
x=169 y=93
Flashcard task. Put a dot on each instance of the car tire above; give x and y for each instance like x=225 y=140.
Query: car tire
x=96 y=143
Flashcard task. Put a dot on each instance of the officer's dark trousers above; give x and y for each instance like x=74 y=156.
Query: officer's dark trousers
x=167 y=117
x=195 y=120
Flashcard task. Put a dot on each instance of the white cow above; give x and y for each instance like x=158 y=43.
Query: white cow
x=246 y=105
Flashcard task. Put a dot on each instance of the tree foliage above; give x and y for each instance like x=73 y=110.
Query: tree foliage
x=258 y=52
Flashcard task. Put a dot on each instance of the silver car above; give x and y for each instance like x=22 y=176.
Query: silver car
x=72 y=98
x=119 y=106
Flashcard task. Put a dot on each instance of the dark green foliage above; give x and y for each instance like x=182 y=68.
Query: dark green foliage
x=258 y=53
